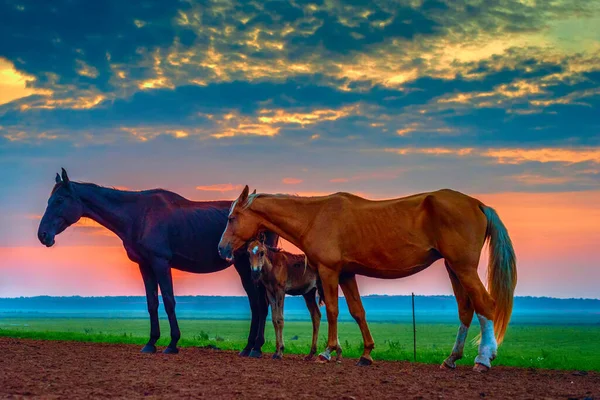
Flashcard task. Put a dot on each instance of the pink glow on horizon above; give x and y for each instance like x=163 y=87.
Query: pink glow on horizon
x=554 y=234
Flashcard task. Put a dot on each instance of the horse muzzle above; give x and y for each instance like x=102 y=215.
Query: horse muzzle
x=255 y=274
x=226 y=253
x=47 y=239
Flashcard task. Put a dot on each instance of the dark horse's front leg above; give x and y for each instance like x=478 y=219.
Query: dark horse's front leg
x=257 y=298
x=152 y=299
x=162 y=271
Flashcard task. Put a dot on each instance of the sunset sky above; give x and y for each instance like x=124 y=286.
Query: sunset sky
x=499 y=100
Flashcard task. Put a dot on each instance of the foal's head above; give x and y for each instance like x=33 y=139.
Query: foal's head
x=242 y=225
x=257 y=254
x=63 y=210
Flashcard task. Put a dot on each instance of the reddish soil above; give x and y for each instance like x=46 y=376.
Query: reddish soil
x=49 y=369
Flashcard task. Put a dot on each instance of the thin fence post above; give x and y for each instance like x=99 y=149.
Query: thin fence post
x=414 y=329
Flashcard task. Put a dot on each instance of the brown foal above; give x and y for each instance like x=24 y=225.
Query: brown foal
x=345 y=235
x=285 y=273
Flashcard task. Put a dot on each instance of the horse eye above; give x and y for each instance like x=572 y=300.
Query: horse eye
x=262 y=253
x=59 y=200
x=230 y=219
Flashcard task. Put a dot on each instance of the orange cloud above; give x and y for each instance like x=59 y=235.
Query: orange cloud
x=247 y=129
x=220 y=187
x=411 y=128
x=544 y=155
x=13 y=84
x=432 y=151
x=512 y=156
x=292 y=181
x=284 y=117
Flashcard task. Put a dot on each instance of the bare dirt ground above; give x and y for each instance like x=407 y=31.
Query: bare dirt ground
x=50 y=369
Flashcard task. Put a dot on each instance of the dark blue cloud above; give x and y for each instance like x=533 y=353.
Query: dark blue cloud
x=337 y=37
x=187 y=105
x=42 y=37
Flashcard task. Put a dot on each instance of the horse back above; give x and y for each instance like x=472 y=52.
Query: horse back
x=186 y=232
x=397 y=237
x=291 y=272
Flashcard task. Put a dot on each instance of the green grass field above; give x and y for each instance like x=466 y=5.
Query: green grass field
x=555 y=347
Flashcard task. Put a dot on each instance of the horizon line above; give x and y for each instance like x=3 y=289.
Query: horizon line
x=244 y=297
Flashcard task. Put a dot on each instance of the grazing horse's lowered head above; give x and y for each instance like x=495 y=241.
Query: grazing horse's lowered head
x=63 y=210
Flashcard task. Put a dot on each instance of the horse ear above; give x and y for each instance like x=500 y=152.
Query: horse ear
x=254 y=192
x=244 y=195
x=65 y=177
x=262 y=237
x=57 y=179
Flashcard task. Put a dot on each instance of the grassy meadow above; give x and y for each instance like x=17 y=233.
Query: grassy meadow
x=570 y=347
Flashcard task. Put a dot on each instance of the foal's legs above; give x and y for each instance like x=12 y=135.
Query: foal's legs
x=315 y=316
x=350 y=289
x=330 y=281
x=276 y=299
x=162 y=270
x=465 y=313
x=152 y=299
x=484 y=307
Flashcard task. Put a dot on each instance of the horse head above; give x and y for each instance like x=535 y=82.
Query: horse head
x=64 y=209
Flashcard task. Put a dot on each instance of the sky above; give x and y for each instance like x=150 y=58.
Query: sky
x=499 y=100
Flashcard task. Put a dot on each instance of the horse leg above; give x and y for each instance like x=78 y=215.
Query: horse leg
x=165 y=281
x=152 y=299
x=315 y=316
x=484 y=307
x=465 y=313
x=352 y=295
x=276 y=301
x=252 y=294
x=258 y=308
x=330 y=281
x=262 y=306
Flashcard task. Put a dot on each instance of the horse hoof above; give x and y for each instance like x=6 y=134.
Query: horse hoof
x=171 y=350
x=277 y=356
x=244 y=353
x=448 y=365
x=310 y=357
x=255 y=354
x=149 y=348
x=322 y=359
x=481 y=368
x=364 y=362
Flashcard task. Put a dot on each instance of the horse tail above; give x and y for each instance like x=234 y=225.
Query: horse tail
x=502 y=271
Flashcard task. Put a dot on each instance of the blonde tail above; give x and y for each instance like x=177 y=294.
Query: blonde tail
x=502 y=271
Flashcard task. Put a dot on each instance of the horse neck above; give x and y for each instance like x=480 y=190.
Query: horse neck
x=269 y=264
x=110 y=208
x=289 y=217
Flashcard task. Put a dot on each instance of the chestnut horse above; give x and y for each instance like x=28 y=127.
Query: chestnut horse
x=284 y=273
x=345 y=235
x=160 y=230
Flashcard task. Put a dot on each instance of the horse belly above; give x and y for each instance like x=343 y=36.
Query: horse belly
x=400 y=267
x=299 y=290
x=206 y=266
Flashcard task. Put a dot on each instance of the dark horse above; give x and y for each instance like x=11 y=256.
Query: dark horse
x=160 y=230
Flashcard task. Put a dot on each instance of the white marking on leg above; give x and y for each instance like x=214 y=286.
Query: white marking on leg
x=488 y=345
x=459 y=345
x=326 y=354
